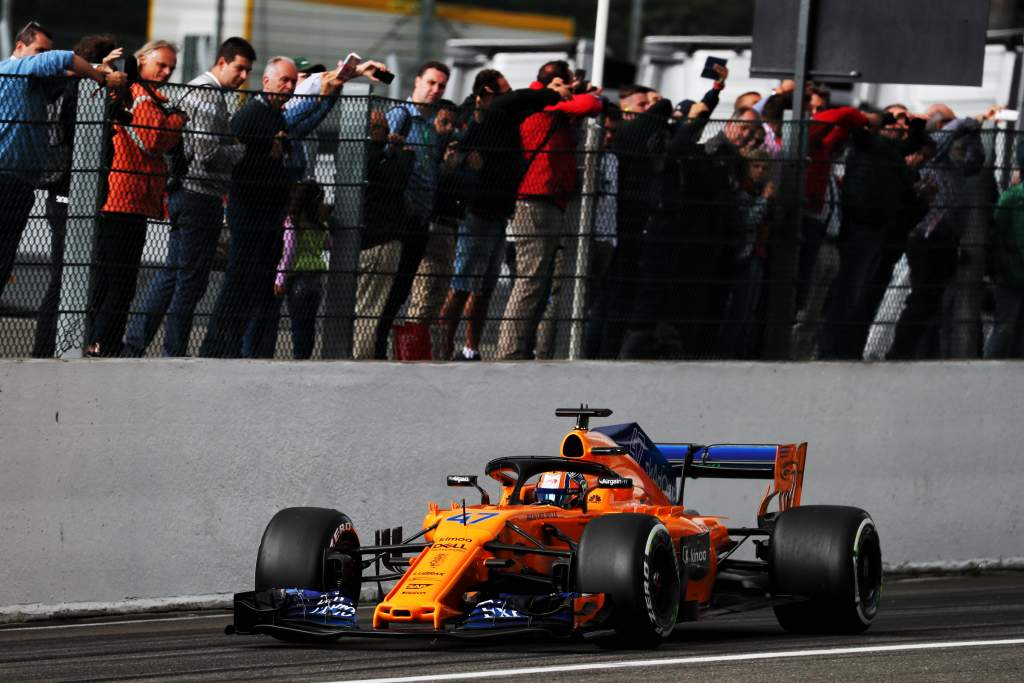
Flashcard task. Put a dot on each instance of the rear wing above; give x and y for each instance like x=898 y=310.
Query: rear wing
x=782 y=463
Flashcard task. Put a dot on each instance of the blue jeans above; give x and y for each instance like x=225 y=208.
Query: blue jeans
x=256 y=240
x=177 y=289
x=478 y=250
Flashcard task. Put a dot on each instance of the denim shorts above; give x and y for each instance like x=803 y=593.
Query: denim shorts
x=478 y=251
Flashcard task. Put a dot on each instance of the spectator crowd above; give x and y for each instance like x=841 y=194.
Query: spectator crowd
x=470 y=214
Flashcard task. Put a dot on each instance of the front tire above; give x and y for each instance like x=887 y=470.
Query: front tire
x=831 y=556
x=631 y=559
x=294 y=549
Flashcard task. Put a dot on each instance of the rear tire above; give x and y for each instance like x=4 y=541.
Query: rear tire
x=294 y=549
x=630 y=558
x=830 y=555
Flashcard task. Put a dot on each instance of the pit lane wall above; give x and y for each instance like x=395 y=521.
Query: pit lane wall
x=151 y=479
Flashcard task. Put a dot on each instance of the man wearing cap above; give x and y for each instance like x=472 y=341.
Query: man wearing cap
x=306 y=69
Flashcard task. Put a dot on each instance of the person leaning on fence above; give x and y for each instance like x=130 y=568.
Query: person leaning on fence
x=195 y=203
x=754 y=199
x=102 y=51
x=25 y=92
x=549 y=148
x=636 y=201
x=389 y=165
x=413 y=120
x=1007 y=239
x=135 y=194
x=258 y=195
x=491 y=157
x=882 y=201
x=412 y=339
x=933 y=245
x=691 y=190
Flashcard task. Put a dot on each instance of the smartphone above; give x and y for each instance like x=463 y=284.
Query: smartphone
x=348 y=65
x=709 y=67
x=1007 y=115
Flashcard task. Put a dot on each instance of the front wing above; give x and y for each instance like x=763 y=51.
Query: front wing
x=305 y=616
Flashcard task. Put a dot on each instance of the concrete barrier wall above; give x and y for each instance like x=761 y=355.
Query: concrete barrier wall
x=148 y=479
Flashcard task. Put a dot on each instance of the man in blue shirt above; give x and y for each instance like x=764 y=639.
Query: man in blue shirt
x=25 y=91
x=414 y=120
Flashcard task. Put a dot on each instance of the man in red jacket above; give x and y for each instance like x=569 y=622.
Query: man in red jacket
x=136 y=183
x=549 y=181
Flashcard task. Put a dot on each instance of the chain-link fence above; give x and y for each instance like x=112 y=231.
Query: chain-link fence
x=198 y=221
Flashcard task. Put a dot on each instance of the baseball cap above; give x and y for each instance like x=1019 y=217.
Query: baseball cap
x=305 y=66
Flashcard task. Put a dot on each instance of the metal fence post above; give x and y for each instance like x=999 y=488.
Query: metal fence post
x=83 y=208
x=786 y=250
x=584 y=233
x=350 y=186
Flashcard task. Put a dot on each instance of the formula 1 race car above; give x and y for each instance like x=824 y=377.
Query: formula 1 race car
x=594 y=543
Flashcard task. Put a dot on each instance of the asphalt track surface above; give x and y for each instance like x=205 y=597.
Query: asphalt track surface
x=933 y=628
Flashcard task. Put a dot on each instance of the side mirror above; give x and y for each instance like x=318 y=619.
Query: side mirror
x=469 y=481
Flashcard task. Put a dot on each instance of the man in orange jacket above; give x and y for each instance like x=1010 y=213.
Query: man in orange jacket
x=549 y=182
x=138 y=174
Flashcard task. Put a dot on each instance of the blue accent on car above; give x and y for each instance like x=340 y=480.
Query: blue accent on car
x=647 y=454
x=470 y=518
x=510 y=610
x=327 y=609
x=733 y=456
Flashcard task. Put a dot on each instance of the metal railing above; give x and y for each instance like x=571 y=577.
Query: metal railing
x=682 y=241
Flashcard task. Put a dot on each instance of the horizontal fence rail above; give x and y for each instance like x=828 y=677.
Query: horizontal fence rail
x=183 y=220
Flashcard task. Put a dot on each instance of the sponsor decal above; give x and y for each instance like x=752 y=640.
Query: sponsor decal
x=459 y=480
x=540 y=515
x=470 y=518
x=446 y=545
x=697 y=555
x=427 y=573
x=343 y=528
x=594 y=498
x=416 y=586
x=615 y=483
x=437 y=560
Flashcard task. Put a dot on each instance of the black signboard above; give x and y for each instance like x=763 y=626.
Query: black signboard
x=933 y=42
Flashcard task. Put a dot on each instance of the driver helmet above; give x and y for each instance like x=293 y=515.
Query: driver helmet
x=561 y=488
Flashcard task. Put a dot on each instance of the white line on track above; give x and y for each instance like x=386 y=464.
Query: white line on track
x=114 y=623
x=675 y=661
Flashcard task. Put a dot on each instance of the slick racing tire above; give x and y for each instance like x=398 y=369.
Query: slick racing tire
x=295 y=548
x=630 y=558
x=829 y=558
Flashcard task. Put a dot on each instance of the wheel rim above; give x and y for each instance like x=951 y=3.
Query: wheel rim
x=867 y=571
x=663 y=582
